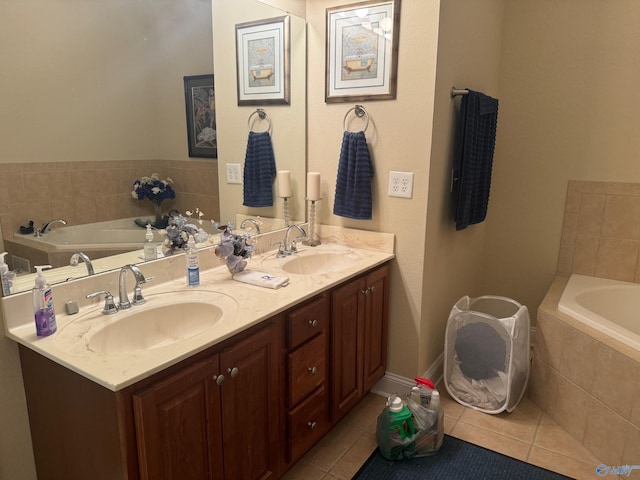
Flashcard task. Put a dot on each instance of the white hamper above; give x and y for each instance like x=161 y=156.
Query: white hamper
x=486 y=353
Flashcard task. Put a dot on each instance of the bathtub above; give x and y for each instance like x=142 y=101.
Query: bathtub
x=610 y=306
x=117 y=235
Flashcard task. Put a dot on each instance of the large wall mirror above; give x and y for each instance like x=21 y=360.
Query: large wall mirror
x=93 y=99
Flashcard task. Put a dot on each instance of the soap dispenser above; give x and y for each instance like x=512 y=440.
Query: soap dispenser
x=7 y=276
x=43 y=305
x=193 y=266
x=150 y=252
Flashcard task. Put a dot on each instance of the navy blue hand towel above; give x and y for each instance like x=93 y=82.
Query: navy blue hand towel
x=478 y=124
x=353 y=183
x=259 y=170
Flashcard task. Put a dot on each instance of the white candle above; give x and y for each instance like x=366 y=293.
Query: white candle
x=284 y=183
x=313 y=186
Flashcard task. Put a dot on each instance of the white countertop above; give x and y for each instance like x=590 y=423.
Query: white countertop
x=246 y=305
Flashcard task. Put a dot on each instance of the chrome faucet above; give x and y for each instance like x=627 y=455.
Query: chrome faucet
x=124 y=302
x=290 y=246
x=85 y=258
x=47 y=226
x=250 y=220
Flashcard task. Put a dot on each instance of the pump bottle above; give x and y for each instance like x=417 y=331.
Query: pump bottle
x=193 y=267
x=150 y=252
x=7 y=276
x=43 y=311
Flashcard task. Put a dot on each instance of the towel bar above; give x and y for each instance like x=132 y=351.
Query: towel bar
x=458 y=91
x=360 y=112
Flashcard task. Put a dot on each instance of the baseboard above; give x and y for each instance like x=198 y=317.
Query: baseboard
x=392 y=383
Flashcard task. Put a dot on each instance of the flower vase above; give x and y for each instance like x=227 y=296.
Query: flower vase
x=157 y=208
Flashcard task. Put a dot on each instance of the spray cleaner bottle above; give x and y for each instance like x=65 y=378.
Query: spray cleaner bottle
x=7 y=276
x=43 y=305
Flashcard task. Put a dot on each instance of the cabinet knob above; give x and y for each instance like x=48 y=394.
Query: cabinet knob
x=365 y=292
x=313 y=323
x=371 y=289
x=234 y=372
x=218 y=379
x=313 y=370
x=312 y=425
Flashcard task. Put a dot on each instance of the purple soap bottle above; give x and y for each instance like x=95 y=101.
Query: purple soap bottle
x=43 y=305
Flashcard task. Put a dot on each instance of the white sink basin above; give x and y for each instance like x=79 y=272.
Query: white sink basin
x=315 y=260
x=164 y=320
x=154 y=327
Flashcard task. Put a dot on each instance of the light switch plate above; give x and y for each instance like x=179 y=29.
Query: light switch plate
x=234 y=173
x=401 y=184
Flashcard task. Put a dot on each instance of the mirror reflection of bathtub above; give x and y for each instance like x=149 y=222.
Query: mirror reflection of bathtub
x=121 y=239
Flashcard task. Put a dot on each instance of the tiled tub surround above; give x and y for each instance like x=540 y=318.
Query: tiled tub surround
x=586 y=381
x=87 y=192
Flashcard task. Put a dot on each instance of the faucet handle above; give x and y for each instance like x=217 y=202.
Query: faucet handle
x=138 y=299
x=109 y=304
x=281 y=249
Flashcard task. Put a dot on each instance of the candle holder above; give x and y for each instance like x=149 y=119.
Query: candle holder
x=287 y=219
x=311 y=239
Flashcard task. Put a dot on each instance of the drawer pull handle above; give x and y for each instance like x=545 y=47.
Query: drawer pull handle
x=218 y=379
x=313 y=370
x=312 y=425
x=234 y=372
x=313 y=323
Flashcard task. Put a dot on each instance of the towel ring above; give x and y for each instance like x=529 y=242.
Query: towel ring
x=360 y=112
x=262 y=114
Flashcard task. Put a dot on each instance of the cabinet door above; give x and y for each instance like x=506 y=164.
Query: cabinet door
x=347 y=315
x=178 y=426
x=250 y=407
x=375 y=326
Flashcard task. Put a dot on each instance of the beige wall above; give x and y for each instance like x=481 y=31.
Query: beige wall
x=567 y=111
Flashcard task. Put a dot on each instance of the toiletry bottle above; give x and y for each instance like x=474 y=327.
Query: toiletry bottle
x=7 y=276
x=150 y=252
x=193 y=268
x=401 y=427
x=43 y=305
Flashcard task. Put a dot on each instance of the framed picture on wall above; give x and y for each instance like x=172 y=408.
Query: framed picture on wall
x=263 y=62
x=201 y=116
x=362 y=51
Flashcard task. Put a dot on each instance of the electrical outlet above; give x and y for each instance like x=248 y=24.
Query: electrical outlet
x=401 y=184
x=234 y=173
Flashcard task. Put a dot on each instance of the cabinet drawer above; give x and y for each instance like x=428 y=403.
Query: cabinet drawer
x=303 y=323
x=307 y=368
x=307 y=423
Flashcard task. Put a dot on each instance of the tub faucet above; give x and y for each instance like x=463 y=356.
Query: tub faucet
x=250 y=220
x=76 y=257
x=124 y=302
x=47 y=226
x=290 y=246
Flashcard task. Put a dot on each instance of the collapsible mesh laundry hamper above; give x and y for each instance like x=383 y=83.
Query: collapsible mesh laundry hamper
x=486 y=353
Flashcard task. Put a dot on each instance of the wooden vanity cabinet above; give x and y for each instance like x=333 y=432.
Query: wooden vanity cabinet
x=359 y=312
x=307 y=370
x=217 y=417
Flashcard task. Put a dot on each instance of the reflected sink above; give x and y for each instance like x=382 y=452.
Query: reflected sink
x=154 y=327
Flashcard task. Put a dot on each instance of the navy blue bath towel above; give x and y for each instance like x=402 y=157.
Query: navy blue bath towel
x=478 y=123
x=353 y=183
x=259 y=170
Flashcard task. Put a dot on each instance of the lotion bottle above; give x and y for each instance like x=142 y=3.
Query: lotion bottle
x=43 y=311
x=193 y=267
x=150 y=252
x=7 y=276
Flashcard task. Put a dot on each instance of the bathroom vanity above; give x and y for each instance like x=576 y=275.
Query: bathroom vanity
x=245 y=405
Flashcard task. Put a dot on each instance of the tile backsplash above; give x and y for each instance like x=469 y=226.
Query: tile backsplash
x=86 y=192
x=601 y=231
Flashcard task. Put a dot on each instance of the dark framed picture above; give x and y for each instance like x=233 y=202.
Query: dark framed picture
x=263 y=61
x=200 y=102
x=362 y=51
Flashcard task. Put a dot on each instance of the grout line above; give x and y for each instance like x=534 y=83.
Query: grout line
x=535 y=436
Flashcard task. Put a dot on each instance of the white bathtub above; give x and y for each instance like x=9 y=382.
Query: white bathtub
x=118 y=235
x=610 y=306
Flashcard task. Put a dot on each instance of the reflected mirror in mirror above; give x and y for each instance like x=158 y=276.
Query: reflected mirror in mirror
x=93 y=99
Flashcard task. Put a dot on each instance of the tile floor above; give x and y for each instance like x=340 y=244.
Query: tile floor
x=526 y=434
